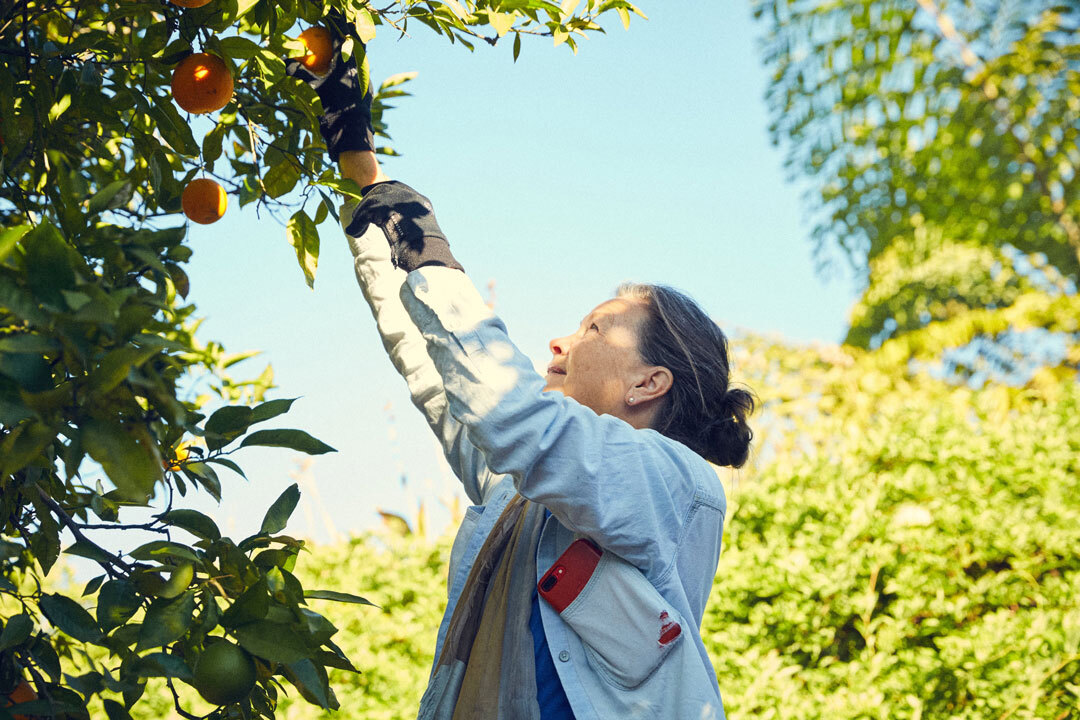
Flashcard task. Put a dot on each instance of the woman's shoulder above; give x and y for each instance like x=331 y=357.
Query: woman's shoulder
x=695 y=469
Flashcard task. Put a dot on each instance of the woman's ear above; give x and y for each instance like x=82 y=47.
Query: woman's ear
x=655 y=383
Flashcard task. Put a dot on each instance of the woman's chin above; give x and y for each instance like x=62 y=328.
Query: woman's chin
x=555 y=382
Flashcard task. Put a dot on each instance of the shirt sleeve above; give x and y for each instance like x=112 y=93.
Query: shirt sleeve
x=630 y=490
x=381 y=282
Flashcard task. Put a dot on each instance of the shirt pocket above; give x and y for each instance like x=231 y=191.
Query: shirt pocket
x=625 y=624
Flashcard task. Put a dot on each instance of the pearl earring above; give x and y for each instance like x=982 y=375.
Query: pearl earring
x=630 y=400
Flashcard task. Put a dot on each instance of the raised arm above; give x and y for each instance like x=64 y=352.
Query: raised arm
x=630 y=490
x=346 y=127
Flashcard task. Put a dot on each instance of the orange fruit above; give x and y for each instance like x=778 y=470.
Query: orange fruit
x=224 y=673
x=22 y=693
x=204 y=201
x=202 y=83
x=190 y=3
x=320 y=49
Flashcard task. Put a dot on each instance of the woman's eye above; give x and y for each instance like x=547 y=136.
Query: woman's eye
x=593 y=327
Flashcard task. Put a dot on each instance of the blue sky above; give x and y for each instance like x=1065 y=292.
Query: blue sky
x=645 y=158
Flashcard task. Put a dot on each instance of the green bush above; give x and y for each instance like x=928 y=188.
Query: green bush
x=907 y=550
x=926 y=565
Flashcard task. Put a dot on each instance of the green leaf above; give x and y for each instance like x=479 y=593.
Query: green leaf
x=129 y=458
x=501 y=22
x=113 y=195
x=272 y=641
x=48 y=260
x=16 y=631
x=166 y=620
x=160 y=549
x=292 y=439
x=251 y=606
x=93 y=585
x=28 y=343
x=116 y=365
x=90 y=551
x=172 y=126
x=211 y=145
x=304 y=237
x=271 y=409
x=9 y=239
x=278 y=515
x=271 y=67
x=227 y=424
x=365 y=27
x=229 y=464
x=118 y=601
x=244 y=6
x=337 y=597
x=239 y=47
x=115 y=711
x=281 y=178
x=194 y=522
x=204 y=475
x=312 y=682
x=71 y=617
x=161 y=664
x=318 y=627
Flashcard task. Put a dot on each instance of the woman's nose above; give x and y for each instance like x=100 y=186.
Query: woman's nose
x=558 y=346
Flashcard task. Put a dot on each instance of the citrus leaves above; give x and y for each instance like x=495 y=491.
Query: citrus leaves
x=304 y=238
x=278 y=514
x=71 y=617
x=98 y=348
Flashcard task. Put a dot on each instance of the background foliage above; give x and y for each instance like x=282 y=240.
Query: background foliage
x=940 y=138
x=902 y=550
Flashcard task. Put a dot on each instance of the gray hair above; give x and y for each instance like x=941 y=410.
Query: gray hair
x=700 y=410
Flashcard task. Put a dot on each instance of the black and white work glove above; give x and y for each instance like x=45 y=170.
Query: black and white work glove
x=345 y=94
x=408 y=221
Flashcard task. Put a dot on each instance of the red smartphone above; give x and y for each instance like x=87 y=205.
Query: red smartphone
x=565 y=579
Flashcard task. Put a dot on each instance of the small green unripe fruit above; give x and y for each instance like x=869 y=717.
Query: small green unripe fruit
x=224 y=673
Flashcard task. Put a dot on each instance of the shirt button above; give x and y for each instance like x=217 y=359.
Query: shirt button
x=564 y=656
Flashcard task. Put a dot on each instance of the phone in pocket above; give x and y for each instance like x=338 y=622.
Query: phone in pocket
x=570 y=573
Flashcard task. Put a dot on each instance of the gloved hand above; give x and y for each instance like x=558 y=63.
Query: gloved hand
x=346 y=96
x=408 y=221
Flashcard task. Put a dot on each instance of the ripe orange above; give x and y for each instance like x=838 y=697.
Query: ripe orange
x=190 y=3
x=202 y=83
x=22 y=693
x=320 y=49
x=204 y=201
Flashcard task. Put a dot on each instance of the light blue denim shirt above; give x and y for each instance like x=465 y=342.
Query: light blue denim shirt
x=654 y=506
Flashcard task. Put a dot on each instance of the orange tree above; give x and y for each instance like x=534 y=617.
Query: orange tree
x=97 y=336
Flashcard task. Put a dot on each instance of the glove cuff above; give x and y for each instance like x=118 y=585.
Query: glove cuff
x=347 y=129
x=408 y=221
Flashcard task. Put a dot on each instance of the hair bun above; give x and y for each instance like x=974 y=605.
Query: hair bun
x=729 y=434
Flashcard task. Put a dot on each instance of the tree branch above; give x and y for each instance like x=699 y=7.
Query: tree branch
x=79 y=536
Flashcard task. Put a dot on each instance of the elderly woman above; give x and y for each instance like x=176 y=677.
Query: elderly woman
x=613 y=445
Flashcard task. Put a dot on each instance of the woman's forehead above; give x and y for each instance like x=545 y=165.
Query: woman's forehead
x=619 y=310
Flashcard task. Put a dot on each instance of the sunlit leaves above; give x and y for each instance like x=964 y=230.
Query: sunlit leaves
x=942 y=138
x=304 y=237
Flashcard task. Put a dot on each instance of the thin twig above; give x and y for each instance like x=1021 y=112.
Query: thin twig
x=176 y=702
x=74 y=528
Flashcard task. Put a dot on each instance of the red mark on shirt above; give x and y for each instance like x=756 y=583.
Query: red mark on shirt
x=669 y=629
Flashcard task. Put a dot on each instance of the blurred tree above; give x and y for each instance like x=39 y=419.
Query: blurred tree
x=941 y=140
x=97 y=345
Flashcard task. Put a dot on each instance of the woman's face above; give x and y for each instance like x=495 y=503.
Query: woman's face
x=599 y=364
